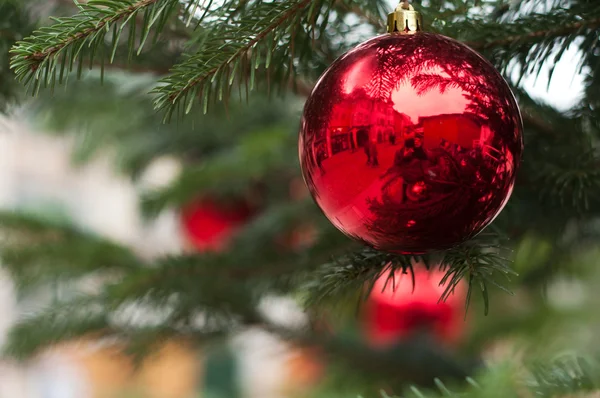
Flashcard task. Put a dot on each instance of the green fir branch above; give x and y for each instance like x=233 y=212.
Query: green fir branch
x=524 y=44
x=563 y=376
x=55 y=324
x=92 y=318
x=575 y=184
x=480 y=261
x=568 y=375
x=251 y=270
x=51 y=52
x=15 y=23
x=558 y=179
x=254 y=157
x=234 y=49
x=532 y=36
x=38 y=252
x=115 y=116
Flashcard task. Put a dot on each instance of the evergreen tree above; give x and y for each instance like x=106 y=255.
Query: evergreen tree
x=147 y=78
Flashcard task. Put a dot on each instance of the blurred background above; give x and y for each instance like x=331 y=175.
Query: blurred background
x=91 y=169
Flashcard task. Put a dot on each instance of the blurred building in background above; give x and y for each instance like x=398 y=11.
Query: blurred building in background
x=37 y=174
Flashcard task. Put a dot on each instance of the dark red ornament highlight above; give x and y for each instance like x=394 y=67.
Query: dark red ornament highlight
x=396 y=309
x=208 y=225
x=410 y=143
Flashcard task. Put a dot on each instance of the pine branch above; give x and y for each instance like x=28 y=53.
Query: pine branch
x=419 y=359
x=566 y=375
x=234 y=47
x=91 y=318
x=544 y=34
x=15 y=23
x=50 y=50
x=532 y=39
x=576 y=184
x=274 y=31
x=72 y=36
x=253 y=158
x=480 y=261
x=57 y=323
x=37 y=252
x=251 y=269
x=374 y=19
x=559 y=181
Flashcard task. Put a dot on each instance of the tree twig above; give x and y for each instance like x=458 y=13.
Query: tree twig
x=560 y=31
x=538 y=123
x=8 y=34
x=244 y=48
x=39 y=56
x=370 y=19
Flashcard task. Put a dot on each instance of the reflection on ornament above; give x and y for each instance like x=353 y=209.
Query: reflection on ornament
x=396 y=309
x=208 y=226
x=418 y=191
x=410 y=143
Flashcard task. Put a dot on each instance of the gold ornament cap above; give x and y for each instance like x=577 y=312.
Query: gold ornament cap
x=405 y=20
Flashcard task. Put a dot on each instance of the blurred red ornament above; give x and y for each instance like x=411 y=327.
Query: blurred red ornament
x=410 y=142
x=396 y=309
x=208 y=226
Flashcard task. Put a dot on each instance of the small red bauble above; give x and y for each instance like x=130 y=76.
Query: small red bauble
x=397 y=309
x=208 y=226
x=410 y=142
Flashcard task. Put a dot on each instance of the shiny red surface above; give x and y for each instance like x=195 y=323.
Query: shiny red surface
x=410 y=143
x=208 y=225
x=397 y=309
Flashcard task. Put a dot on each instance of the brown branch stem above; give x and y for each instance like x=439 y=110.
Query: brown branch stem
x=40 y=56
x=245 y=48
x=8 y=34
x=538 y=123
x=560 y=31
x=481 y=45
x=370 y=19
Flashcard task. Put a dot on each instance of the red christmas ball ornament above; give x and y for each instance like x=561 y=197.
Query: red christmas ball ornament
x=396 y=308
x=410 y=142
x=208 y=225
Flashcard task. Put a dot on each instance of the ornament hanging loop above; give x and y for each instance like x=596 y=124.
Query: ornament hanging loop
x=405 y=20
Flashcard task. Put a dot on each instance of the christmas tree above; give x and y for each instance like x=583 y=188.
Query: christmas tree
x=220 y=87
